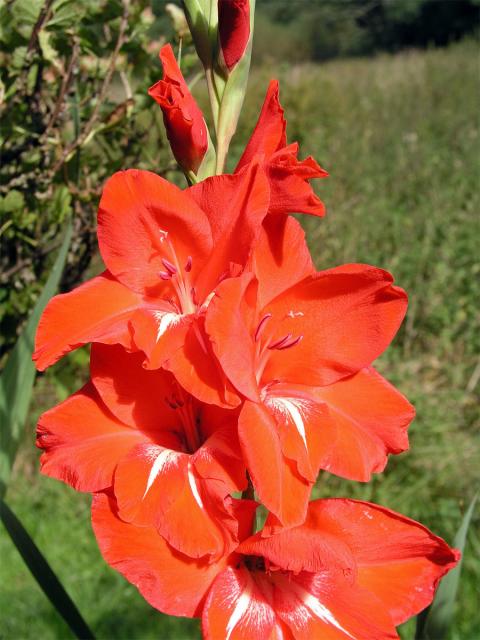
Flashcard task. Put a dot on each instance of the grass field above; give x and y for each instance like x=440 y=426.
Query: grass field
x=400 y=138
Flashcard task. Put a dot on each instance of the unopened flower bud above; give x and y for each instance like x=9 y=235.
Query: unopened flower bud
x=184 y=121
x=233 y=30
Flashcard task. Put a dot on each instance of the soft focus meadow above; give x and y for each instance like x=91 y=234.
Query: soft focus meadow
x=399 y=135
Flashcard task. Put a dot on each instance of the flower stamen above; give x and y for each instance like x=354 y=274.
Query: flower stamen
x=261 y=326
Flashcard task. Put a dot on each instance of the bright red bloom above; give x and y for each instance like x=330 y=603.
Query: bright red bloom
x=186 y=128
x=289 y=177
x=168 y=458
x=300 y=352
x=165 y=250
x=233 y=29
x=352 y=570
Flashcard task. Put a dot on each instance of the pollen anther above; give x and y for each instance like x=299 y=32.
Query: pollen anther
x=171 y=268
x=261 y=326
x=292 y=343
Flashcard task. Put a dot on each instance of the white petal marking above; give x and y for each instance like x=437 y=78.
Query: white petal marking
x=291 y=407
x=166 y=319
x=163 y=459
x=320 y=610
x=239 y=611
x=193 y=486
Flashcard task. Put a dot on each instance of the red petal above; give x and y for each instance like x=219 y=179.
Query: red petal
x=302 y=548
x=219 y=457
x=97 y=311
x=347 y=316
x=236 y=609
x=198 y=371
x=167 y=579
x=160 y=334
x=159 y=487
x=327 y=605
x=235 y=206
x=135 y=396
x=136 y=209
x=289 y=178
x=372 y=418
x=307 y=433
x=229 y=324
x=165 y=488
x=83 y=441
x=398 y=559
x=281 y=257
x=276 y=480
x=269 y=133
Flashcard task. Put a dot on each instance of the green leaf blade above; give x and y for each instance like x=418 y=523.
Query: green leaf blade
x=18 y=376
x=43 y=574
x=435 y=622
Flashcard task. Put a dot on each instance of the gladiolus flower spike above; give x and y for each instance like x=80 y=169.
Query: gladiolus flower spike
x=227 y=372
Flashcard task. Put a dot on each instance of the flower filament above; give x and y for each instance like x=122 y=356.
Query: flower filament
x=178 y=276
x=264 y=342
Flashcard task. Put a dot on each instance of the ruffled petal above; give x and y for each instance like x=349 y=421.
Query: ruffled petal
x=97 y=311
x=291 y=191
x=372 y=418
x=288 y=176
x=142 y=220
x=347 y=317
x=83 y=442
x=170 y=581
x=398 y=560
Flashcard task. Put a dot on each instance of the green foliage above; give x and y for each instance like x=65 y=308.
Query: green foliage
x=74 y=110
x=16 y=380
x=322 y=29
x=43 y=574
x=437 y=619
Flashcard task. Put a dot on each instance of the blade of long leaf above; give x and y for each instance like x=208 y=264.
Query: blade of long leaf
x=18 y=376
x=434 y=623
x=43 y=574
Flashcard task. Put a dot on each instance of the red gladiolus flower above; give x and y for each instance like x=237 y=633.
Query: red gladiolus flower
x=168 y=458
x=289 y=177
x=184 y=121
x=165 y=251
x=300 y=353
x=352 y=570
x=233 y=29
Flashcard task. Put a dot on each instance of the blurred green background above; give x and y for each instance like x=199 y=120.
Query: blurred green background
x=384 y=94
